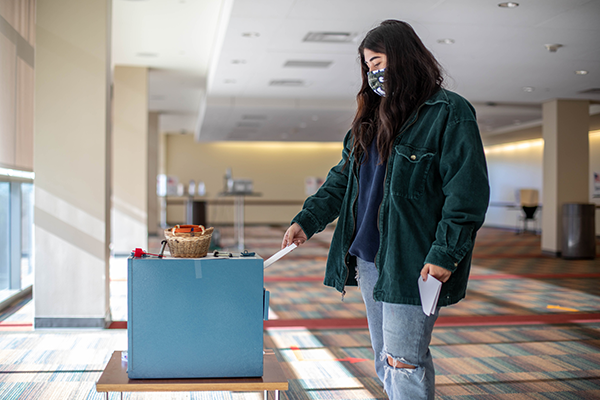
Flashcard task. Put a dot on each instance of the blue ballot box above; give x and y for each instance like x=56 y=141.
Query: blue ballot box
x=195 y=318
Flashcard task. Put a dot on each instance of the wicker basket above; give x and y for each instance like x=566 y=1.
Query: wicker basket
x=188 y=241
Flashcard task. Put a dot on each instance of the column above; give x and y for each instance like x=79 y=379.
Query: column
x=153 y=206
x=566 y=165
x=162 y=170
x=72 y=163
x=130 y=160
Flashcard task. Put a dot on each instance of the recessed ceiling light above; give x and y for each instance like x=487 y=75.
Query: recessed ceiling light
x=446 y=41
x=552 y=48
x=287 y=82
x=581 y=72
x=330 y=37
x=254 y=116
x=508 y=4
x=147 y=54
x=238 y=61
x=528 y=89
x=307 y=64
x=229 y=81
x=248 y=124
x=250 y=34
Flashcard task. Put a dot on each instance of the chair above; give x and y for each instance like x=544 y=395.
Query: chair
x=528 y=199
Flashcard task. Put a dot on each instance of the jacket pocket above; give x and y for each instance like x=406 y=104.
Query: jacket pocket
x=409 y=171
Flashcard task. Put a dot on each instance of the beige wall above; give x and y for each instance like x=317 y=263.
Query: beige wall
x=512 y=167
x=566 y=164
x=278 y=170
x=130 y=159
x=595 y=168
x=17 y=41
x=530 y=133
x=516 y=136
x=519 y=165
x=153 y=161
x=72 y=149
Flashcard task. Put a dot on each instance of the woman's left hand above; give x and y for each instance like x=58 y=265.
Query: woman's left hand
x=439 y=273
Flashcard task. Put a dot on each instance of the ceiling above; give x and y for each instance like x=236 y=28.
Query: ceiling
x=242 y=69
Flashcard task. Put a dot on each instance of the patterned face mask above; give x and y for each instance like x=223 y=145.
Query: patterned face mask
x=376 y=81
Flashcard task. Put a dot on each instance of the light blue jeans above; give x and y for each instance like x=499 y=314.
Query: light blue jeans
x=402 y=332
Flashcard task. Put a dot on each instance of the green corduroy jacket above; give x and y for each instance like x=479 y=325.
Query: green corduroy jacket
x=436 y=194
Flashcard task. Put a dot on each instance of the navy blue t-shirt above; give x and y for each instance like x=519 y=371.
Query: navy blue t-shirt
x=370 y=194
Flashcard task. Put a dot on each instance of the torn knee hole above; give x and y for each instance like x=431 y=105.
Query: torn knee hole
x=398 y=364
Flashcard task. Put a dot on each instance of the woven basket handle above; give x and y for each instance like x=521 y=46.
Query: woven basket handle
x=188 y=229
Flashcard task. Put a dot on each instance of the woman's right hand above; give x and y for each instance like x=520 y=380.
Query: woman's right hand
x=294 y=234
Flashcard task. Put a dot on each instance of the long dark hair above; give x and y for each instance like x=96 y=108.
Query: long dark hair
x=412 y=76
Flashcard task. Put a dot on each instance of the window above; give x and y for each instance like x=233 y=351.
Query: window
x=4 y=235
x=26 y=234
x=16 y=231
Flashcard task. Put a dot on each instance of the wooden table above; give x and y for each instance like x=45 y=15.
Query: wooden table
x=115 y=379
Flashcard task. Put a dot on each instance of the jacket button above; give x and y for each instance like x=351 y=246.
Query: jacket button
x=456 y=264
x=413 y=157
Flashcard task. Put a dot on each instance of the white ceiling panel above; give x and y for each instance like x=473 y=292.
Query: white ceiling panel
x=487 y=12
x=496 y=53
x=260 y=9
x=174 y=34
x=369 y=13
x=581 y=15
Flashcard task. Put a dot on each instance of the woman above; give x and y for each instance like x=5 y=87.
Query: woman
x=410 y=192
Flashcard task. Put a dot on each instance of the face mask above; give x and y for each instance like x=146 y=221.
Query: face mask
x=375 y=79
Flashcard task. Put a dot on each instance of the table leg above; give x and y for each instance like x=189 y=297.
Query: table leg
x=163 y=213
x=189 y=210
x=106 y=393
x=277 y=395
x=266 y=396
x=238 y=217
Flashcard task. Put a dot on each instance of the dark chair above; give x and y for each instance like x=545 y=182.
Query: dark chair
x=527 y=215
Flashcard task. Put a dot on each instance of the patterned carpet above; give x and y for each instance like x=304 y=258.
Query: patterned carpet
x=528 y=329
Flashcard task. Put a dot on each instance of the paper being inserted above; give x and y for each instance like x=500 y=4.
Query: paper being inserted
x=279 y=254
x=430 y=293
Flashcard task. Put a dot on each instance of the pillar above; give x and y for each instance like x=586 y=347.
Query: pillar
x=130 y=159
x=566 y=165
x=72 y=163
x=162 y=170
x=153 y=206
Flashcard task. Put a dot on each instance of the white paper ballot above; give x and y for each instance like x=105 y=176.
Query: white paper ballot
x=430 y=293
x=280 y=254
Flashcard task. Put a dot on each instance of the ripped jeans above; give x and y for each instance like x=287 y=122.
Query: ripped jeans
x=402 y=332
